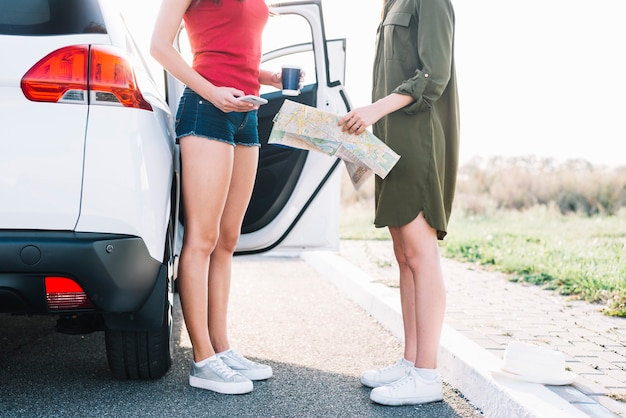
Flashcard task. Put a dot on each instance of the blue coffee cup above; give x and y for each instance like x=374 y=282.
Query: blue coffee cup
x=291 y=80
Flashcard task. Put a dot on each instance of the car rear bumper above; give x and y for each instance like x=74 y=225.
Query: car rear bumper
x=116 y=271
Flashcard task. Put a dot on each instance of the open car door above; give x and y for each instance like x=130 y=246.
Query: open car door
x=295 y=202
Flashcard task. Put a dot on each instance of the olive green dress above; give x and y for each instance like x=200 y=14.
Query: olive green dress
x=415 y=56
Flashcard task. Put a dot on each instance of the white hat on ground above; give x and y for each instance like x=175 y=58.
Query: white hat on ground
x=532 y=363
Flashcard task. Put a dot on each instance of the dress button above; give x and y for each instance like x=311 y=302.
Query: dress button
x=200 y=102
x=426 y=75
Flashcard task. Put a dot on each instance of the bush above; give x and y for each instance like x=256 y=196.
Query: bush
x=520 y=183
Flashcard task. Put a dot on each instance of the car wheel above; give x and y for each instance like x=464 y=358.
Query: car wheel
x=144 y=354
x=138 y=355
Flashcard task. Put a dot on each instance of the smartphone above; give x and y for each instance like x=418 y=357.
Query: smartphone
x=256 y=100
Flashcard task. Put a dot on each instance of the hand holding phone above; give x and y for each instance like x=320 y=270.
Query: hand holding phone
x=255 y=100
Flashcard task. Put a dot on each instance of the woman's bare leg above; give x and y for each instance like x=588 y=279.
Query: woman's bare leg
x=238 y=199
x=407 y=297
x=417 y=245
x=206 y=175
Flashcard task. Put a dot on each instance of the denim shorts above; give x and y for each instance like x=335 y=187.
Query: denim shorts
x=197 y=116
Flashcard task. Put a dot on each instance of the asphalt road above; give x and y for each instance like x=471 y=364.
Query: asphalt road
x=282 y=313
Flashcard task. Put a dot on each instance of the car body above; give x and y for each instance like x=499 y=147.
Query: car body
x=88 y=181
x=90 y=225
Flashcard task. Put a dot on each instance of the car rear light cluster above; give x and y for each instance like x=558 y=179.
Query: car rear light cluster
x=96 y=74
x=63 y=294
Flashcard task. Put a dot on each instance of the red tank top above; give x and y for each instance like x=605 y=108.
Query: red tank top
x=225 y=39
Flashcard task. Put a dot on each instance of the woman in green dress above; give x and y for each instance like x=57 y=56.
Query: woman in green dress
x=415 y=112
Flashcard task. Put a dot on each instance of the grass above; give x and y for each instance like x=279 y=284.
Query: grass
x=357 y=223
x=579 y=256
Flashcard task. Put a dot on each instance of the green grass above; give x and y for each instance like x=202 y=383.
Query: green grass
x=578 y=256
x=357 y=223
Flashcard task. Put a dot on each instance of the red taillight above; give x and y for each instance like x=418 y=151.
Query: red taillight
x=59 y=73
x=65 y=294
x=80 y=74
x=111 y=78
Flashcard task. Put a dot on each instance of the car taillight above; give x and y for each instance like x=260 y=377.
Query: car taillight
x=112 y=80
x=64 y=294
x=61 y=73
x=82 y=74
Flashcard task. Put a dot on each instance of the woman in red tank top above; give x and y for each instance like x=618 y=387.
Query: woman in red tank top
x=219 y=147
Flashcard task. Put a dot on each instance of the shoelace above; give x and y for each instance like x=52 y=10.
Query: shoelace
x=239 y=357
x=393 y=366
x=223 y=370
x=403 y=381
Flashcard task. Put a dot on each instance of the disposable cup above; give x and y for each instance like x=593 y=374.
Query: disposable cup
x=291 y=80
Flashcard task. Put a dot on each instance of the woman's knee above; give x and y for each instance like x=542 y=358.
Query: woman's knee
x=399 y=253
x=413 y=248
x=227 y=241
x=200 y=244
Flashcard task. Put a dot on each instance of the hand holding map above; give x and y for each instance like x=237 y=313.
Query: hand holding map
x=305 y=127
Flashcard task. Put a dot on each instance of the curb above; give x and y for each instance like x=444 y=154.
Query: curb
x=462 y=363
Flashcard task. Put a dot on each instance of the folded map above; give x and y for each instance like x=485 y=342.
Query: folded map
x=305 y=127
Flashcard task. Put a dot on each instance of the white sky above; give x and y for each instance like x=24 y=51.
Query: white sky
x=541 y=77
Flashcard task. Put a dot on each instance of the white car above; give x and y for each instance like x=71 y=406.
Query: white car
x=88 y=180
x=90 y=225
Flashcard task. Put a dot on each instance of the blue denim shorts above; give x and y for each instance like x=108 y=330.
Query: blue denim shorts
x=197 y=116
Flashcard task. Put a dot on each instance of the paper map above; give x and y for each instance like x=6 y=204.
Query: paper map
x=305 y=127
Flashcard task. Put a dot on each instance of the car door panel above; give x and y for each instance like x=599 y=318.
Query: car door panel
x=279 y=167
x=295 y=202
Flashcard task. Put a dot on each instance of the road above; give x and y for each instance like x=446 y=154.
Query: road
x=282 y=313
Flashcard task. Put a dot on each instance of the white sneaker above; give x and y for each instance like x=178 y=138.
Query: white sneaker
x=412 y=389
x=248 y=368
x=386 y=376
x=218 y=377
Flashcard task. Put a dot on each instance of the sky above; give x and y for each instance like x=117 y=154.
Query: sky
x=536 y=77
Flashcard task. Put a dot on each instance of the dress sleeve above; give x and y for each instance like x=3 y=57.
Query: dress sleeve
x=435 y=46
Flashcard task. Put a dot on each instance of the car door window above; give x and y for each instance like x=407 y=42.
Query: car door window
x=50 y=17
x=288 y=34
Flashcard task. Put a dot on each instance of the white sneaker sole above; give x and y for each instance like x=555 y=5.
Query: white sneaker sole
x=374 y=384
x=238 y=388
x=415 y=400
x=256 y=374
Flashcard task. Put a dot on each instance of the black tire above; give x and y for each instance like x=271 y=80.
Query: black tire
x=144 y=354
x=138 y=355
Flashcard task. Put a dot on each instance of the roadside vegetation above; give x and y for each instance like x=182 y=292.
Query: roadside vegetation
x=561 y=226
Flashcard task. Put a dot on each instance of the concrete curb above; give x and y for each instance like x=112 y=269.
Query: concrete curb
x=463 y=363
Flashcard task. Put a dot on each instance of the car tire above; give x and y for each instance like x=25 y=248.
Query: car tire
x=138 y=355
x=145 y=354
